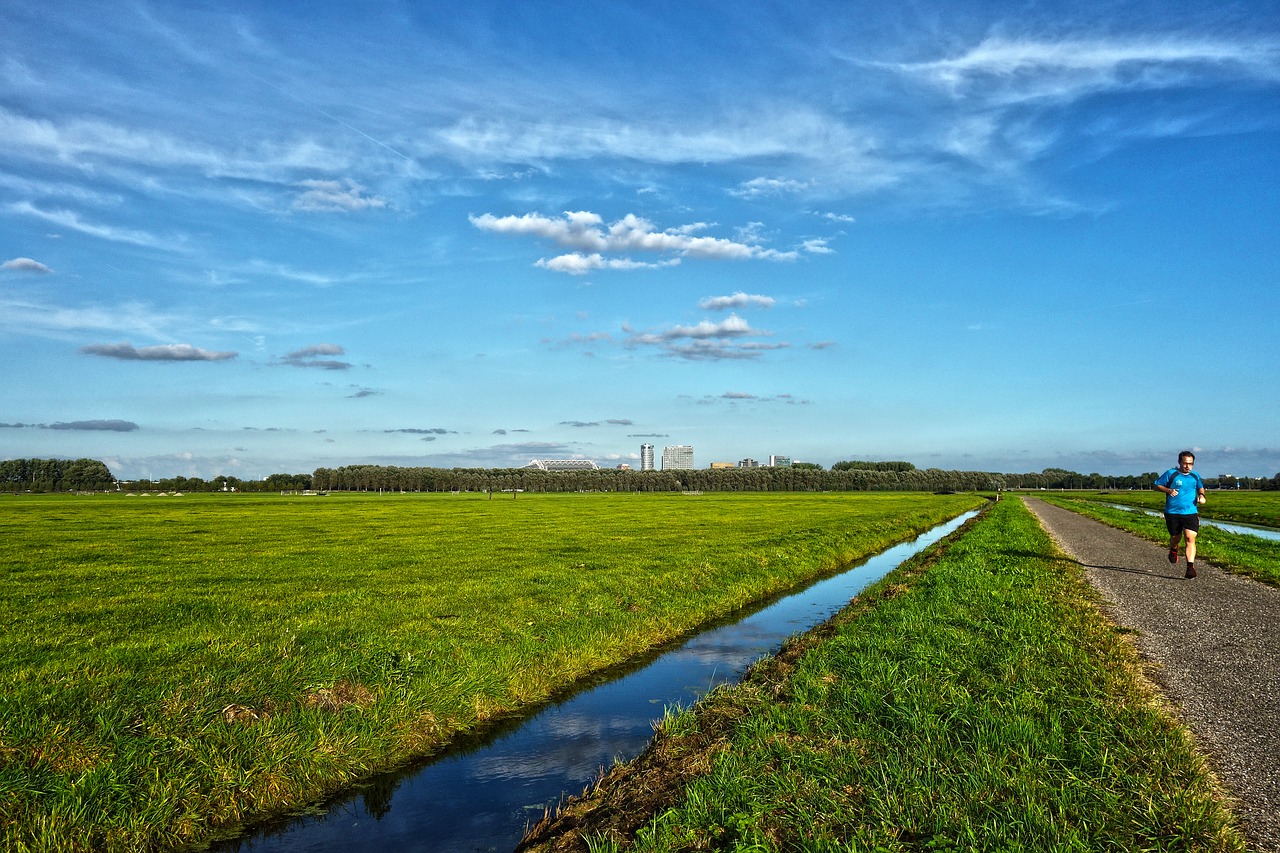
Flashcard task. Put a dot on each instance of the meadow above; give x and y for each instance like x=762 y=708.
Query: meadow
x=172 y=667
x=975 y=699
x=1243 y=507
x=1240 y=553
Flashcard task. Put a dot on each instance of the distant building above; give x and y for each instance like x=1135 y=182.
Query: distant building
x=563 y=465
x=779 y=461
x=623 y=466
x=646 y=457
x=716 y=466
x=748 y=463
x=677 y=457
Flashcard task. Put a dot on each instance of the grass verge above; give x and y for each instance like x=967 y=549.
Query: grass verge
x=976 y=699
x=1239 y=553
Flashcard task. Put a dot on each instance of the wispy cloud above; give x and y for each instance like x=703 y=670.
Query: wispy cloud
x=1013 y=70
x=33 y=316
x=166 y=352
x=72 y=220
x=25 y=265
x=92 y=141
x=757 y=187
x=335 y=196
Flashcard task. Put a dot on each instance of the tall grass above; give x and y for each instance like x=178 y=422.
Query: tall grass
x=978 y=702
x=170 y=667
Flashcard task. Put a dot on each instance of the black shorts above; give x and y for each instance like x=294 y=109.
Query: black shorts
x=1178 y=523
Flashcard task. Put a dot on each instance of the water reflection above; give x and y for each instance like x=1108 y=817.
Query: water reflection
x=482 y=798
x=1231 y=527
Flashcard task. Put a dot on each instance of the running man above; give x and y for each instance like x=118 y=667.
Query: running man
x=1184 y=492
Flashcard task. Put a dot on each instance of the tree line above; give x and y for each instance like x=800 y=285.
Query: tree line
x=843 y=476
x=55 y=475
x=61 y=475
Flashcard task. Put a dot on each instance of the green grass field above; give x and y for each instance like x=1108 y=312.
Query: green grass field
x=1243 y=507
x=976 y=700
x=173 y=666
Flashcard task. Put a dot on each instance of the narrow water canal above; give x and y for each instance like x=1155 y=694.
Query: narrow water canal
x=482 y=797
x=1269 y=533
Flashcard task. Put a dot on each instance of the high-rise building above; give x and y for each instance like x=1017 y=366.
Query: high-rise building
x=646 y=457
x=677 y=457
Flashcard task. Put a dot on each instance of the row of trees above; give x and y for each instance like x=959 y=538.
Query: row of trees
x=54 y=475
x=850 y=476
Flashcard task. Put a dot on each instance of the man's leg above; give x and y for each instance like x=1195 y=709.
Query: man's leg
x=1174 y=535
x=1191 y=546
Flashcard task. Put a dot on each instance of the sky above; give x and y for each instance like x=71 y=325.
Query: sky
x=255 y=238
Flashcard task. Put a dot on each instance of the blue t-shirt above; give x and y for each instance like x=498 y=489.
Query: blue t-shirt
x=1184 y=503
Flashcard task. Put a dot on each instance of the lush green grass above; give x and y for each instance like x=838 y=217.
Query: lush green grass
x=1262 y=508
x=169 y=666
x=977 y=703
x=1246 y=555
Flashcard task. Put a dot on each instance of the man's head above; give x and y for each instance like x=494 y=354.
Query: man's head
x=1185 y=460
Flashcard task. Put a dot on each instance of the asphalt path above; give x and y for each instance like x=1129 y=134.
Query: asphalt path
x=1214 y=647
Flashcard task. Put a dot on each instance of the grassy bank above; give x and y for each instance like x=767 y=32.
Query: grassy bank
x=1250 y=556
x=1242 y=507
x=173 y=666
x=977 y=701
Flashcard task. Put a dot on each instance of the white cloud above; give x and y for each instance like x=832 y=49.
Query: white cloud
x=737 y=300
x=335 y=196
x=576 y=263
x=818 y=246
x=707 y=340
x=25 y=265
x=757 y=187
x=586 y=232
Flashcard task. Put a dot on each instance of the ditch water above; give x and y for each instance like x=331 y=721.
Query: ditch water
x=481 y=796
x=1269 y=533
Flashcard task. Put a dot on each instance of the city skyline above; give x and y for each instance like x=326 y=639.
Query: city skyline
x=242 y=239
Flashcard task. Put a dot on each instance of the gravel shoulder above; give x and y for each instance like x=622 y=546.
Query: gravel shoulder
x=1214 y=647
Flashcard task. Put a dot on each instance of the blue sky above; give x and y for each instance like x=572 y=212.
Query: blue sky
x=255 y=238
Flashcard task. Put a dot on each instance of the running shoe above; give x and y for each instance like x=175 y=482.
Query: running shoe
x=1173 y=556
x=1191 y=570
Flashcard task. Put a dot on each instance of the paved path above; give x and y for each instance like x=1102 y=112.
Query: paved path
x=1216 y=644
